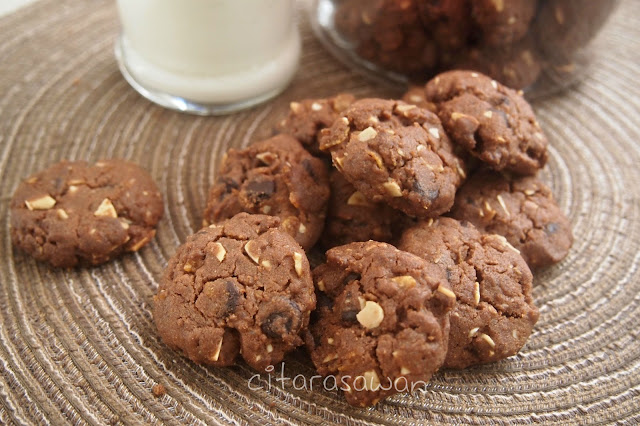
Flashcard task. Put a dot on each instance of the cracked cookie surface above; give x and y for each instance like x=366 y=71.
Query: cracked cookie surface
x=307 y=117
x=277 y=177
x=491 y=121
x=494 y=312
x=76 y=212
x=382 y=321
x=240 y=287
x=395 y=153
x=522 y=209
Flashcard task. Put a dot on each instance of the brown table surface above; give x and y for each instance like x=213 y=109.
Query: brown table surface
x=80 y=346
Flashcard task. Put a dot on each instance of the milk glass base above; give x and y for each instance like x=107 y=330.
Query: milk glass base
x=272 y=79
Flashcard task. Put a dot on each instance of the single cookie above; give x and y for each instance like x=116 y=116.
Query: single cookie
x=449 y=21
x=240 y=287
x=494 y=123
x=352 y=217
x=75 y=212
x=502 y=22
x=277 y=177
x=383 y=322
x=494 y=312
x=307 y=117
x=520 y=209
x=397 y=153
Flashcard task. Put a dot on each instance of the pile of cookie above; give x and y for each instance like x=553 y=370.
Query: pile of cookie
x=431 y=216
x=510 y=40
x=428 y=209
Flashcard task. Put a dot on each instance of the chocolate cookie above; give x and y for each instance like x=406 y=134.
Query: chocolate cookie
x=494 y=123
x=307 y=117
x=522 y=210
x=383 y=322
x=397 y=153
x=352 y=217
x=277 y=177
x=75 y=212
x=502 y=22
x=494 y=312
x=240 y=287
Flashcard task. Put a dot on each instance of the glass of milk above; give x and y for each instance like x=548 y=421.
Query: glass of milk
x=208 y=56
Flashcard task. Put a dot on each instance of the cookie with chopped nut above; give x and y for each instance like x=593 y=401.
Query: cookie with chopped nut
x=383 y=323
x=352 y=217
x=307 y=117
x=522 y=209
x=242 y=287
x=492 y=122
x=396 y=153
x=502 y=22
x=494 y=313
x=277 y=177
x=75 y=212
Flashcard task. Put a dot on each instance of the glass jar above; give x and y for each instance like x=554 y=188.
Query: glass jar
x=208 y=56
x=535 y=45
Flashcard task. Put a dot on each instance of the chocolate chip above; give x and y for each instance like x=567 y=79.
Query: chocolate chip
x=350 y=316
x=282 y=322
x=229 y=185
x=233 y=298
x=258 y=191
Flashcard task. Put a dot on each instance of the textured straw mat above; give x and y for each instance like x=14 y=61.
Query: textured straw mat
x=80 y=346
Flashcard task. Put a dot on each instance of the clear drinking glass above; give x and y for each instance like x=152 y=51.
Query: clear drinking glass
x=208 y=56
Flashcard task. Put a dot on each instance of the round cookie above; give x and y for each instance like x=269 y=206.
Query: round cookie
x=494 y=312
x=383 y=323
x=395 y=153
x=502 y=22
x=240 y=287
x=491 y=121
x=277 y=177
x=521 y=209
x=351 y=217
x=307 y=117
x=75 y=212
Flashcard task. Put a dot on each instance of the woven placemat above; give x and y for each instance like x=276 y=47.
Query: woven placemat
x=80 y=346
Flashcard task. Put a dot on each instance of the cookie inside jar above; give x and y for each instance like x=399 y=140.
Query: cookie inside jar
x=539 y=46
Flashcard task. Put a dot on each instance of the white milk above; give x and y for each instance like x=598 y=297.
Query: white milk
x=210 y=51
